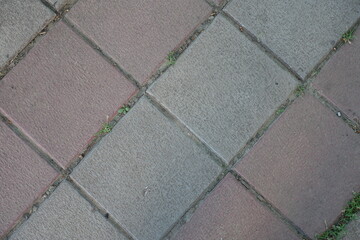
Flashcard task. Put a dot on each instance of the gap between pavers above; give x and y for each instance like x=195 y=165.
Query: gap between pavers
x=60 y=4
x=146 y=172
x=223 y=88
x=62 y=92
x=24 y=176
x=138 y=34
x=301 y=33
x=339 y=79
x=66 y=215
x=307 y=165
x=20 y=22
x=232 y=212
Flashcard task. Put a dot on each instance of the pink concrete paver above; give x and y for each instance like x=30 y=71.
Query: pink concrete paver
x=23 y=177
x=307 y=165
x=339 y=80
x=62 y=92
x=138 y=34
x=231 y=212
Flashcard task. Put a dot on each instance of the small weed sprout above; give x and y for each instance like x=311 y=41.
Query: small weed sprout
x=105 y=129
x=280 y=111
x=348 y=36
x=171 y=58
x=300 y=90
x=124 y=109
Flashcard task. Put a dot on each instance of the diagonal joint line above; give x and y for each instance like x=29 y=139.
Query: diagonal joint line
x=107 y=57
x=272 y=208
x=188 y=132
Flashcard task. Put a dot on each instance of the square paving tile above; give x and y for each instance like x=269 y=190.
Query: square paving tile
x=352 y=231
x=307 y=165
x=339 y=79
x=138 y=34
x=231 y=212
x=19 y=23
x=146 y=172
x=223 y=88
x=61 y=93
x=66 y=215
x=299 y=32
x=24 y=176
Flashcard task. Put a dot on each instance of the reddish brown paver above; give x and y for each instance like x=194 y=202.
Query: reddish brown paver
x=339 y=80
x=23 y=177
x=62 y=92
x=231 y=212
x=138 y=34
x=307 y=165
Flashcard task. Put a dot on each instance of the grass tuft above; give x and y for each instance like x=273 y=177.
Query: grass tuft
x=300 y=90
x=124 y=109
x=349 y=213
x=105 y=129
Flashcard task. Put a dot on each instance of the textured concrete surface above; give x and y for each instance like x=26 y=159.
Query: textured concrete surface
x=23 y=177
x=146 y=172
x=231 y=212
x=138 y=34
x=223 y=88
x=353 y=230
x=307 y=165
x=19 y=23
x=299 y=32
x=339 y=79
x=66 y=215
x=149 y=170
x=61 y=93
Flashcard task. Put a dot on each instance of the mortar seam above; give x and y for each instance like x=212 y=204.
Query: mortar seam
x=48 y=5
x=66 y=172
x=101 y=52
x=144 y=88
x=28 y=141
x=263 y=201
x=186 y=130
x=99 y=207
x=21 y=53
x=262 y=46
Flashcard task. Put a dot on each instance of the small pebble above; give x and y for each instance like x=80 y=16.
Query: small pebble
x=146 y=191
x=338 y=114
